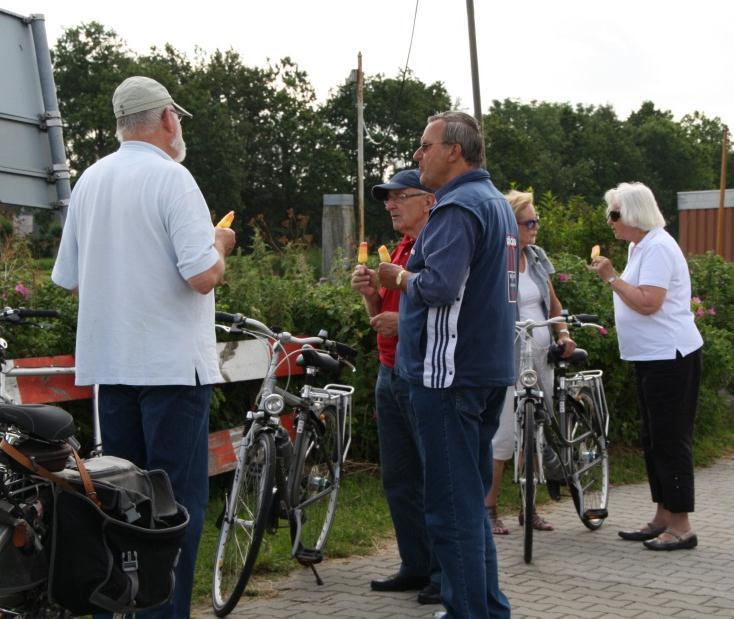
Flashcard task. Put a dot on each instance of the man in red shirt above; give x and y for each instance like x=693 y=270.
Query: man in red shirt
x=408 y=203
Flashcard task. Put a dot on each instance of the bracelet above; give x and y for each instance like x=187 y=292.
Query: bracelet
x=611 y=279
x=563 y=331
x=399 y=278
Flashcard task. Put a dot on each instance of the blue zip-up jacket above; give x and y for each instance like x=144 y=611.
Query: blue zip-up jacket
x=457 y=314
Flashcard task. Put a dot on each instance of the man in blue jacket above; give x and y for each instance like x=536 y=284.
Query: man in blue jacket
x=456 y=326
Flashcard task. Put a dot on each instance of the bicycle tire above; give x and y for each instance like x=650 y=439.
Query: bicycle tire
x=314 y=484
x=528 y=486
x=589 y=473
x=240 y=537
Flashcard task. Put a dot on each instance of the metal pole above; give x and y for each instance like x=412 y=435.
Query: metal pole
x=360 y=145
x=474 y=63
x=722 y=193
x=52 y=117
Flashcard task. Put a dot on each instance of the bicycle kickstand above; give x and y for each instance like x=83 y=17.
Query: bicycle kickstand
x=316 y=574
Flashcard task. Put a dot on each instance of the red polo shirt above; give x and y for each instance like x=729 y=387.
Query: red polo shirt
x=390 y=302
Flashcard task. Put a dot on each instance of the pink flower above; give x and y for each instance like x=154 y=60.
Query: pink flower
x=563 y=277
x=700 y=312
x=603 y=331
x=696 y=300
x=712 y=311
x=22 y=290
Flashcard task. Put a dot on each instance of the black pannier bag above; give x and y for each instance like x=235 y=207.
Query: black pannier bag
x=117 y=554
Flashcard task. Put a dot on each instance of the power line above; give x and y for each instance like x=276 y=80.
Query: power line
x=402 y=83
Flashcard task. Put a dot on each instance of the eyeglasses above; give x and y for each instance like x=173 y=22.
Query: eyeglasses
x=177 y=113
x=530 y=224
x=402 y=197
x=424 y=146
x=614 y=215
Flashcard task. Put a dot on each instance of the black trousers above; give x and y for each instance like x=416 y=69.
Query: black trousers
x=667 y=392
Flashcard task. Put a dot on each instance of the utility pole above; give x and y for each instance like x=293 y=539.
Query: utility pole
x=474 y=64
x=360 y=146
x=722 y=192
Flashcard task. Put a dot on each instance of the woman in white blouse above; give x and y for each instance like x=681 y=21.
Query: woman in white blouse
x=657 y=332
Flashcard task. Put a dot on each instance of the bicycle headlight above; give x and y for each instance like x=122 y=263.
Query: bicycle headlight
x=529 y=378
x=273 y=404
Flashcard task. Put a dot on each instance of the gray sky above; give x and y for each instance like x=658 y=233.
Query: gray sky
x=678 y=54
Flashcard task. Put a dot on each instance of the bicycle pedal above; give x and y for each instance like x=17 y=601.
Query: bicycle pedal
x=308 y=556
x=596 y=514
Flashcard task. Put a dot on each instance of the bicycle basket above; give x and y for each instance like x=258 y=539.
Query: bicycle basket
x=340 y=397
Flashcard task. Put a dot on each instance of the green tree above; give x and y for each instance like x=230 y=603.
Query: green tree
x=89 y=62
x=395 y=113
x=569 y=151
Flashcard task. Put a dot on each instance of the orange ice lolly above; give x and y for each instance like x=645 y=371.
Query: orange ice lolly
x=362 y=253
x=595 y=252
x=384 y=254
x=226 y=221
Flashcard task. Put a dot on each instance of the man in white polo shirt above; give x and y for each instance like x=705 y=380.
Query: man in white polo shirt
x=140 y=248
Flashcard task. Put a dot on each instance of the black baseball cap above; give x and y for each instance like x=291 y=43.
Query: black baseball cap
x=402 y=180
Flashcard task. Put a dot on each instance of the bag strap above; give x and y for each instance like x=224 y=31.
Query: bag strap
x=39 y=470
x=86 y=479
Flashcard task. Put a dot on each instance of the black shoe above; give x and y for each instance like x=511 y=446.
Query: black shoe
x=648 y=532
x=554 y=489
x=430 y=594
x=399 y=582
x=679 y=542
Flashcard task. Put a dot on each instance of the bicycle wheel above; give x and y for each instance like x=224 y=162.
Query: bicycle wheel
x=589 y=473
x=243 y=524
x=314 y=484
x=527 y=478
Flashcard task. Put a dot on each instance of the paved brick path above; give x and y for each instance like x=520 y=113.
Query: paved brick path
x=574 y=573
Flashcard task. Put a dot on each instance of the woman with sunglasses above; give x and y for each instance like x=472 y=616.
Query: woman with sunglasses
x=657 y=332
x=537 y=300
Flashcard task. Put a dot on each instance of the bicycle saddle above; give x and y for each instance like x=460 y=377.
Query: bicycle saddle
x=577 y=357
x=50 y=423
x=316 y=359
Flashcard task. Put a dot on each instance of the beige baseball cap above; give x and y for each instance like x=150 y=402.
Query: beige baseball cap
x=138 y=93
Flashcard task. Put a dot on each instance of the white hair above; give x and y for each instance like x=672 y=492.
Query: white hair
x=637 y=206
x=139 y=124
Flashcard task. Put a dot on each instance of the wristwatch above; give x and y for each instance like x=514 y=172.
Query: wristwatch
x=611 y=279
x=399 y=278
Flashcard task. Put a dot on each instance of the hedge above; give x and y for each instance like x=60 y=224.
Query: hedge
x=282 y=288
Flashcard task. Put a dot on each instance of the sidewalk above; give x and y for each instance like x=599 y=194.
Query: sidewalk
x=574 y=573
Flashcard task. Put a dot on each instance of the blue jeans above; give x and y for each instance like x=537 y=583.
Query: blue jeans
x=402 y=475
x=455 y=427
x=165 y=427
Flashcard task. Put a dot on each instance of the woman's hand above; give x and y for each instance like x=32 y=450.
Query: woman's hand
x=568 y=345
x=603 y=267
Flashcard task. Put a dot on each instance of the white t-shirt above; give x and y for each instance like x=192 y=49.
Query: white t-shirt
x=137 y=229
x=657 y=261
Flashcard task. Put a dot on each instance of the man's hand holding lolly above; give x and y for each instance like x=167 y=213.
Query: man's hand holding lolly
x=392 y=276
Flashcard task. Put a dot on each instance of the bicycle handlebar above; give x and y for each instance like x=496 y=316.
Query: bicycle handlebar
x=574 y=320
x=10 y=314
x=240 y=321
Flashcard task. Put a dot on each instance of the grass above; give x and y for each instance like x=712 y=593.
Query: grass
x=362 y=519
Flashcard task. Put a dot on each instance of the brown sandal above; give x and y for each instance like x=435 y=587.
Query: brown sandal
x=498 y=527
x=538 y=522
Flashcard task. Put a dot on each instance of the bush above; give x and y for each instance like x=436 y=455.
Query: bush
x=280 y=288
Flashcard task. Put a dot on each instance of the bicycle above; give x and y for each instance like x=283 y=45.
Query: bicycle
x=275 y=479
x=38 y=450
x=570 y=440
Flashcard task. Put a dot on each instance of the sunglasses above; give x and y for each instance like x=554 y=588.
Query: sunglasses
x=614 y=215
x=530 y=224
